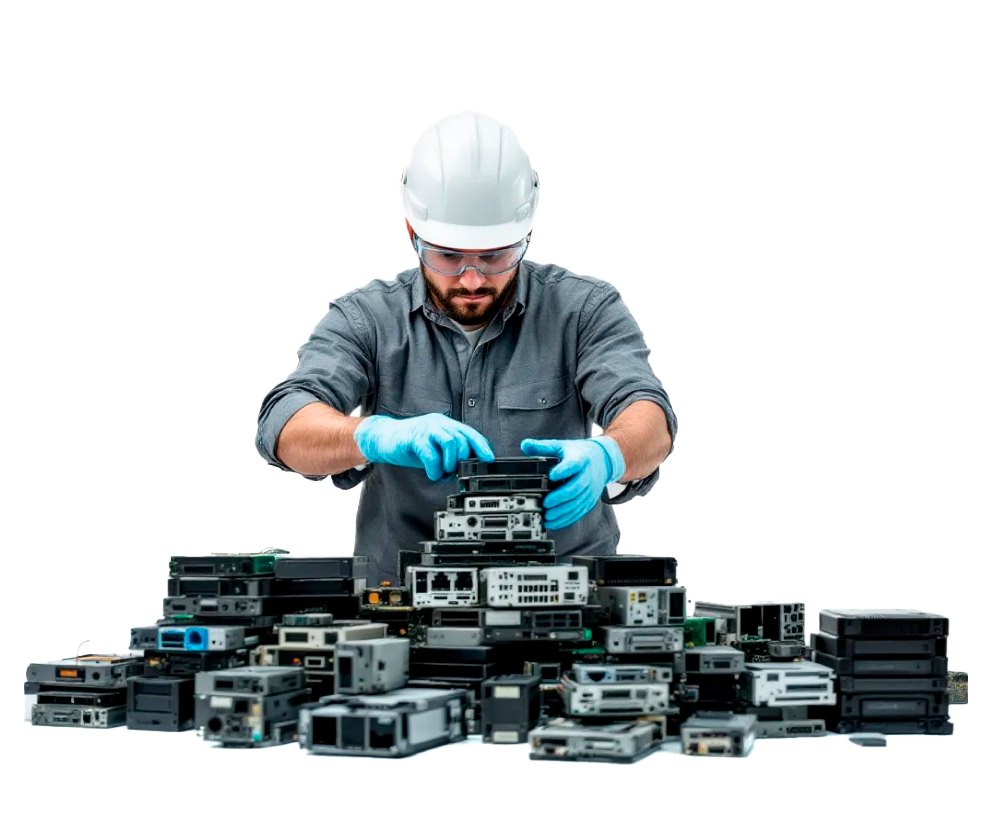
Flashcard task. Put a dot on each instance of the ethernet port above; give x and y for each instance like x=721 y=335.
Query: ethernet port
x=596 y=676
x=240 y=707
x=464 y=581
x=440 y=581
x=381 y=733
x=353 y=733
x=324 y=731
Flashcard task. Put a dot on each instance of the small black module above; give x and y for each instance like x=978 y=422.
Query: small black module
x=163 y=704
x=354 y=567
x=510 y=708
x=629 y=570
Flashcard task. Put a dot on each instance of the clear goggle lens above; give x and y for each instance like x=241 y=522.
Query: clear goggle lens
x=454 y=263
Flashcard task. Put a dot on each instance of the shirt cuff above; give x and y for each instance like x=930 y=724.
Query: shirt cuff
x=270 y=428
x=636 y=488
x=352 y=477
x=614 y=489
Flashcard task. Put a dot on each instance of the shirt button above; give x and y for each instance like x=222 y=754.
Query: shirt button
x=472 y=402
x=542 y=400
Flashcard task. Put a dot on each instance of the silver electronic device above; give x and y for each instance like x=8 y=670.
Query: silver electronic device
x=791 y=684
x=372 y=666
x=487 y=526
x=718 y=734
x=643 y=606
x=543 y=586
x=330 y=635
x=615 y=698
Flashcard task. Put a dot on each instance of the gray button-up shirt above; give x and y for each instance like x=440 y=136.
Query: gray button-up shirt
x=563 y=354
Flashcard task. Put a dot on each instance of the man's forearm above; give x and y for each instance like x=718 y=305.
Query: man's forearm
x=318 y=440
x=641 y=431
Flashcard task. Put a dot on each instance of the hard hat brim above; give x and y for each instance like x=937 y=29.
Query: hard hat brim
x=464 y=237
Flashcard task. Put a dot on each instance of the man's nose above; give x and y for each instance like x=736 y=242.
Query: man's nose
x=471 y=279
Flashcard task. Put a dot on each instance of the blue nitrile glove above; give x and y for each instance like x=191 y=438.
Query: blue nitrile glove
x=587 y=465
x=433 y=441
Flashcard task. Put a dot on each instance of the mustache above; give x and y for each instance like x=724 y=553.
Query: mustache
x=482 y=292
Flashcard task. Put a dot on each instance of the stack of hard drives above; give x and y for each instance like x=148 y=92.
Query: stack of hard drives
x=310 y=641
x=262 y=590
x=891 y=670
x=490 y=581
x=218 y=608
x=618 y=707
x=83 y=691
x=197 y=633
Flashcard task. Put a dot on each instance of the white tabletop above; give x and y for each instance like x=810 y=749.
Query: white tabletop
x=153 y=783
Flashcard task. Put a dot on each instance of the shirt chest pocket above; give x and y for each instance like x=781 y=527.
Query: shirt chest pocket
x=408 y=402
x=545 y=409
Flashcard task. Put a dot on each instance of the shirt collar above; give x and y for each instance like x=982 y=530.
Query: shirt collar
x=419 y=293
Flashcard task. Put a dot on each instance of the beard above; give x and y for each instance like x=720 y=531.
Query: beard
x=479 y=314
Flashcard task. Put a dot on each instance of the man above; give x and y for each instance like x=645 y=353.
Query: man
x=477 y=352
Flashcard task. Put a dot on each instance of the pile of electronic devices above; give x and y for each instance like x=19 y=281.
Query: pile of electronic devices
x=586 y=657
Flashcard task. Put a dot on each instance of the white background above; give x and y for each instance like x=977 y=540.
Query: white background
x=798 y=201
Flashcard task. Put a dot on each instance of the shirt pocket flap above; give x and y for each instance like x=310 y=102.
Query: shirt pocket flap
x=412 y=402
x=535 y=395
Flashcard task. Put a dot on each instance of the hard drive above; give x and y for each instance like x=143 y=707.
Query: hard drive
x=497 y=503
x=95 y=670
x=628 y=570
x=883 y=623
x=316 y=568
x=56 y=715
x=507 y=466
x=883 y=667
x=896 y=647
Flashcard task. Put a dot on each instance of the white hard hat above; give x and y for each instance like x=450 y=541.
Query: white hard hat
x=469 y=185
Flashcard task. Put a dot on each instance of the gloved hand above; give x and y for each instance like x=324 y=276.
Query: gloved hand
x=433 y=441
x=587 y=465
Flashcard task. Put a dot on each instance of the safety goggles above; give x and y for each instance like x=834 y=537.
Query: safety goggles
x=485 y=262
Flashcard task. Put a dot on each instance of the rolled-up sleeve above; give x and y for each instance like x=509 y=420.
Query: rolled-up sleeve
x=335 y=367
x=613 y=371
